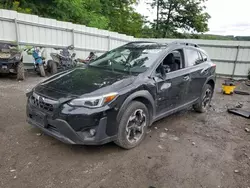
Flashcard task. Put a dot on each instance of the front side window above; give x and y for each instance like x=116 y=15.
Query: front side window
x=133 y=58
x=193 y=57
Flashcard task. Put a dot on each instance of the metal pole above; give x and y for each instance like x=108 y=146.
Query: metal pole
x=109 y=43
x=73 y=37
x=236 y=59
x=17 y=32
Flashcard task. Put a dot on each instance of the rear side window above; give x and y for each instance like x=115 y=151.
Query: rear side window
x=193 y=57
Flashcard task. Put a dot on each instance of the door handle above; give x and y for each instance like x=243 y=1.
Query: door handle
x=186 y=78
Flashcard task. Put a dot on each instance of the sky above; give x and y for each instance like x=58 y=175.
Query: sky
x=228 y=17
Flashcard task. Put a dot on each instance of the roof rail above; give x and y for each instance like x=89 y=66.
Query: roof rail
x=186 y=43
x=142 y=42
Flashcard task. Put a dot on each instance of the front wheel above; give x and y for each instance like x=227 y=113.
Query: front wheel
x=133 y=125
x=20 y=71
x=205 y=100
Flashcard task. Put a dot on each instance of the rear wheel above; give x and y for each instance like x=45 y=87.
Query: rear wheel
x=205 y=100
x=20 y=71
x=42 y=71
x=133 y=125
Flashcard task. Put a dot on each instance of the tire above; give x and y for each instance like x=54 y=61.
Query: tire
x=204 y=103
x=53 y=67
x=126 y=128
x=49 y=63
x=42 y=71
x=20 y=71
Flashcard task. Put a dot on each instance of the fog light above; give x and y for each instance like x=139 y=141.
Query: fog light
x=92 y=132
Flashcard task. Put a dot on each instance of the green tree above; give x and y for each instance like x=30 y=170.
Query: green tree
x=114 y=15
x=176 y=15
x=122 y=16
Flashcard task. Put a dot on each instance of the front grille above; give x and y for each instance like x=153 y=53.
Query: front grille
x=43 y=103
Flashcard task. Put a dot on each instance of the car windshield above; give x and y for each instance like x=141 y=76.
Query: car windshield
x=131 y=58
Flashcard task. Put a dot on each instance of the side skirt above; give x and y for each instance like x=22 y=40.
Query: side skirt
x=179 y=108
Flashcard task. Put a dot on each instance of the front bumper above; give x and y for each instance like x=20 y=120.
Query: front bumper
x=63 y=131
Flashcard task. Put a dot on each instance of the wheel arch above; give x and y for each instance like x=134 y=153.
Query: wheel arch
x=211 y=82
x=142 y=96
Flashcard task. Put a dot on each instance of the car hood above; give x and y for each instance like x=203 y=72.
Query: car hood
x=81 y=81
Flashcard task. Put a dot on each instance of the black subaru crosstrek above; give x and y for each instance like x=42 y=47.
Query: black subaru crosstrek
x=120 y=94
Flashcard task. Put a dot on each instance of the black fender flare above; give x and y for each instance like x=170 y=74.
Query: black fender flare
x=138 y=94
x=210 y=78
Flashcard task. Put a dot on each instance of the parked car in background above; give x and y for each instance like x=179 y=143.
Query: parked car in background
x=120 y=94
x=11 y=60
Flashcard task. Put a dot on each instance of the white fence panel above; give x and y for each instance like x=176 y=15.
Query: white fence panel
x=231 y=57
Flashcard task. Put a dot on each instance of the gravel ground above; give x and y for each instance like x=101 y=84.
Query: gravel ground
x=184 y=150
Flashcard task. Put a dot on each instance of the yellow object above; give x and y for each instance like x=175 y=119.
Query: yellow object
x=227 y=89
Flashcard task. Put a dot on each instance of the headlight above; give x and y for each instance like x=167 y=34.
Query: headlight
x=94 y=102
x=16 y=57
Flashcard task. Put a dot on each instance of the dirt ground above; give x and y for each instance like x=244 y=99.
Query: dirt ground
x=184 y=150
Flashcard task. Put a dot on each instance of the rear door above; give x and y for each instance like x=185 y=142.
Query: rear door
x=197 y=67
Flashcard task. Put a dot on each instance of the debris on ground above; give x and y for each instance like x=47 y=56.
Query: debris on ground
x=156 y=128
x=193 y=143
x=239 y=112
x=39 y=134
x=160 y=146
x=239 y=92
x=247 y=130
x=166 y=129
x=236 y=171
x=239 y=105
x=163 y=135
x=14 y=177
x=172 y=137
x=149 y=131
x=13 y=170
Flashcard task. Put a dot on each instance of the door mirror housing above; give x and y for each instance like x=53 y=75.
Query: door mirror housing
x=160 y=72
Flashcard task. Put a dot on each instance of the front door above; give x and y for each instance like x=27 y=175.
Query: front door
x=171 y=91
x=173 y=86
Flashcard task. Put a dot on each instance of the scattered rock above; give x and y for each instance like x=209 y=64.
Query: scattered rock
x=193 y=143
x=166 y=129
x=247 y=130
x=240 y=105
x=207 y=135
x=160 y=146
x=39 y=134
x=149 y=131
x=14 y=177
x=156 y=128
x=236 y=171
x=149 y=157
x=176 y=138
x=13 y=170
x=163 y=135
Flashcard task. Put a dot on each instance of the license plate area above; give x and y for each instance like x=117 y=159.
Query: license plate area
x=40 y=118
